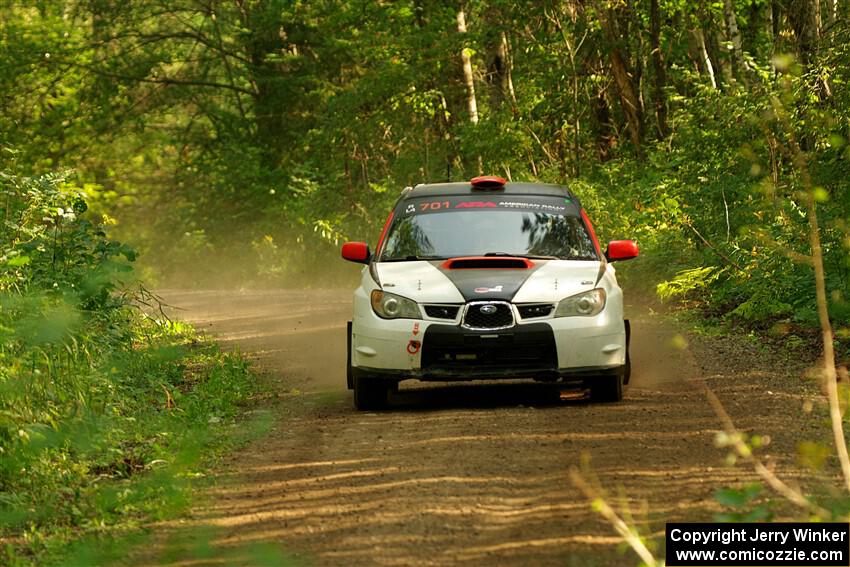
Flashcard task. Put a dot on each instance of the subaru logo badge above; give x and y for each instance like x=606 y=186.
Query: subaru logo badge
x=488 y=309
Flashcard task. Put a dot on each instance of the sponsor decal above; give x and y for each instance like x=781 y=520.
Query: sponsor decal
x=413 y=347
x=434 y=205
x=532 y=206
x=496 y=289
x=415 y=329
x=543 y=204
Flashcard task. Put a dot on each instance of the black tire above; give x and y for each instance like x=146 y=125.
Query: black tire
x=627 y=369
x=349 y=373
x=370 y=393
x=607 y=388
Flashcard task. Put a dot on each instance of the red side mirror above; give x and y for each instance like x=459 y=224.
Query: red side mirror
x=621 y=250
x=356 y=252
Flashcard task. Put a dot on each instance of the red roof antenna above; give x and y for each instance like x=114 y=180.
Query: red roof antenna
x=488 y=182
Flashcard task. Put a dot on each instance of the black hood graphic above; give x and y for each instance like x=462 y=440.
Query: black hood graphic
x=488 y=283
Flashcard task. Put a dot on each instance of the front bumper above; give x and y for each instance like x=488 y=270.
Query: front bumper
x=584 y=375
x=565 y=349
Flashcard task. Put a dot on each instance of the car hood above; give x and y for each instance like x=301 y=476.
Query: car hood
x=433 y=282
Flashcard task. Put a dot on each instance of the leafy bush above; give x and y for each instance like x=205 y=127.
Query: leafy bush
x=103 y=409
x=689 y=281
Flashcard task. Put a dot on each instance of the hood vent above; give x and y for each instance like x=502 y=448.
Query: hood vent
x=488 y=262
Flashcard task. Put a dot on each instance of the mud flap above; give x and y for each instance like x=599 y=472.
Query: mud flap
x=349 y=377
x=627 y=373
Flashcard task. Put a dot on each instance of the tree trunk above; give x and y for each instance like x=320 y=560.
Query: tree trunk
x=695 y=57
x=468 y=77
x=576 y=117
x=605 y=136
x=630 y=27
x=659 y=70
x=572 y=52
x=755 y=25
x=623 y=78
x=507 y=79
x=770 y=15
x=499 y=73
x=801 y=16
x=469 y=80
x=628 y=95
x=699 y=37
x=818 y=17
x=269 y=98
x=715 y=53
x=735 y=37
x=831 y=12
x=776 y=21
x=419 y=11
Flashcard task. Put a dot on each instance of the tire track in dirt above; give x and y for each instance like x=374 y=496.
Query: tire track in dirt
x=463 y=474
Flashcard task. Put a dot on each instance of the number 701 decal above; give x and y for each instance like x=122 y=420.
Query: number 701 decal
x=434 y=205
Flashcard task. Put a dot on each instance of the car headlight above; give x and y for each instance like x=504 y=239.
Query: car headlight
x=392 y=306
x=585 y=304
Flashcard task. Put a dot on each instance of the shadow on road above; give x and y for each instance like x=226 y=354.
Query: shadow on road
x=484 y=395
x=468 y=473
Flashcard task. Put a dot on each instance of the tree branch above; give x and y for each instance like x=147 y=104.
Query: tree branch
x=160 y=81
x=712 y=248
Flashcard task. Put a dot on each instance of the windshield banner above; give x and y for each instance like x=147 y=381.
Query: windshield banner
x=550 y=205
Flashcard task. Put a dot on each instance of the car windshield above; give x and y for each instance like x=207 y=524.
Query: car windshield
x=538 y=227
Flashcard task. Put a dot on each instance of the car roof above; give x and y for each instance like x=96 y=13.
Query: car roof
x=466 y=188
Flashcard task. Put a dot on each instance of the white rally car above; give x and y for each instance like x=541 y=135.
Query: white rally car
x=487 y=280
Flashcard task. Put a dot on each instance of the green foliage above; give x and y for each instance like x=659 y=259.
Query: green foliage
x=240 y=142
x=685 y=282
x=761 y=307
x=301 y=122
x=104 y=411
x=745 y=504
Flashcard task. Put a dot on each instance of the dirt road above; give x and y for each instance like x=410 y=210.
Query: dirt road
x=475 y=474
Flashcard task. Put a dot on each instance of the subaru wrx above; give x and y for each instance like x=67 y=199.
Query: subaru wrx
x=486 y=280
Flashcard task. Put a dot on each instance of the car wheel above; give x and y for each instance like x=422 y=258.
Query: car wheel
x=607 y=388
x=349 y=372
x=370 y=393
x=627 y=369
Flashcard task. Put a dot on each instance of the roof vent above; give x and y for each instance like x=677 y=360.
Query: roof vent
x=487 y=182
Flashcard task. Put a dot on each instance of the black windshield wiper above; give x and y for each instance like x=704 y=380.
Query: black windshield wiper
x=413 y=258
x=529 y=256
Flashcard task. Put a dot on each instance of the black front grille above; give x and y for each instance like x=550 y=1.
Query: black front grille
x=524 y=347
x=533 y=310
x=442 y=311
x=489 y=315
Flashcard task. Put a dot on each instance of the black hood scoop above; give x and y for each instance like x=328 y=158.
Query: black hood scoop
x=487 y=263
x=486 y=277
